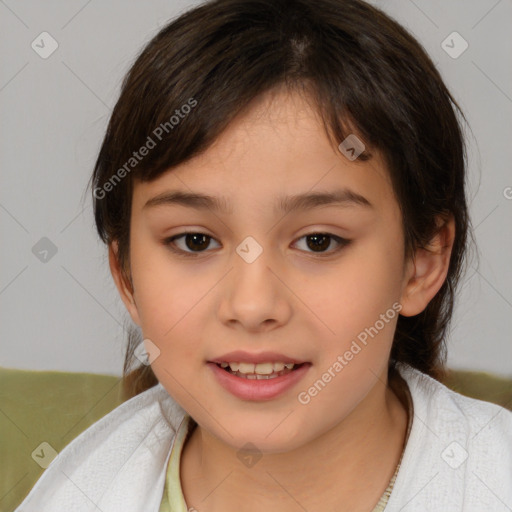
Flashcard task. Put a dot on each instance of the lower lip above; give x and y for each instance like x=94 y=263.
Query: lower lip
x=254 y=389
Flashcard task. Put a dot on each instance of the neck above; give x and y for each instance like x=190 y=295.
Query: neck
x=348 y=467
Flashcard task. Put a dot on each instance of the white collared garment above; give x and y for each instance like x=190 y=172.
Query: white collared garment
x=458 y=456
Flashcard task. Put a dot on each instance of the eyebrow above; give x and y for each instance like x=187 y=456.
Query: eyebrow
x=309 y=200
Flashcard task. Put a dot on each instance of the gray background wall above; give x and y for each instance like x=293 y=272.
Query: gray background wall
x=64 y=313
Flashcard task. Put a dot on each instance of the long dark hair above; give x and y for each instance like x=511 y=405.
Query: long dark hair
x=365 y=74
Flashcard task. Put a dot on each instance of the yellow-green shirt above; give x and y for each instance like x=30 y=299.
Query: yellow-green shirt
x=173 y=499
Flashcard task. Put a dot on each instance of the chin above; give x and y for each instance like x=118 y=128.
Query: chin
x=272 y=436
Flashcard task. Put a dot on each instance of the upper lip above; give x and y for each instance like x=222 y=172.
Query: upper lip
x=260 y=357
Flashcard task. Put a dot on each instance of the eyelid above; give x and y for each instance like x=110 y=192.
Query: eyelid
x=342 y=243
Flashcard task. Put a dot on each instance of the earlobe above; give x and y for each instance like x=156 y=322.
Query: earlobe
x=123 y=287
x=427 y=273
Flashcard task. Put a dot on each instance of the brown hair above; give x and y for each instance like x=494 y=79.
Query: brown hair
x=365 y=74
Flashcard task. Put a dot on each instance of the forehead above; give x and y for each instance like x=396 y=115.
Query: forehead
x=277 y=147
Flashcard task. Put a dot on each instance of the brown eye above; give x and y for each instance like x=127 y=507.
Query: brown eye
x=320 y=242
x=194 y=242
x=197 y=241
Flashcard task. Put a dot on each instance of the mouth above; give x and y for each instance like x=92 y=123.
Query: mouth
x=260 y=371
x=258 y=381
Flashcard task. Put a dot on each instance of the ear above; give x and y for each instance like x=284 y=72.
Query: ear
x=427 y=271
x=123 y=286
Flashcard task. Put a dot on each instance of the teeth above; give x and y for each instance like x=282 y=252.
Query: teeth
x=257 y=376
x=245 y=367
x=263 y=369
x=267 y=368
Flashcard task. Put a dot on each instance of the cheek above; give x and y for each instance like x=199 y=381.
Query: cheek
x=171 y=317
x=354 y=294
x=168 y=298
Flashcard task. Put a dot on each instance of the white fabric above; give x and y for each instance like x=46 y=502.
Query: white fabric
x=119 y=463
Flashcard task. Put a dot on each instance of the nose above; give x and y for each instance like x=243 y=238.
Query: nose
x=254 y=296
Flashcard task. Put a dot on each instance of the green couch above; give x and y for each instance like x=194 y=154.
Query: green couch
x=54 y=407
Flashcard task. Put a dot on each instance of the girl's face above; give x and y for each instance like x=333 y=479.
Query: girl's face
x=321 y=283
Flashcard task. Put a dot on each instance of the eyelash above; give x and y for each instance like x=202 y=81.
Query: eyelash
x=169 y=243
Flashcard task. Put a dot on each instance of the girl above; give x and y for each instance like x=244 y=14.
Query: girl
x=282 y=191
